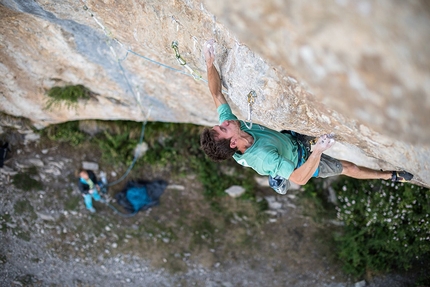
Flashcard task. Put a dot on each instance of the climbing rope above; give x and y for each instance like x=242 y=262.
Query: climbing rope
x=193 y=73
x=126 y=215
x=136 y=96
x=119 y=60
x=134 y=159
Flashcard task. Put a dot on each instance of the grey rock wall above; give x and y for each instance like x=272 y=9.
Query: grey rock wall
x=356 y=68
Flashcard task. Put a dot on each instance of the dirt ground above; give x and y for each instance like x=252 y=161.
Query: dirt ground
x=48 y=238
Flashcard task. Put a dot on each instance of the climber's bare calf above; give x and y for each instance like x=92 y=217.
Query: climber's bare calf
x=360 y=172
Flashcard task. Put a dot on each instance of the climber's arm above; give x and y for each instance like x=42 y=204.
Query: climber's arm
x=214 y=80
x=302 y=174
x=214 y=83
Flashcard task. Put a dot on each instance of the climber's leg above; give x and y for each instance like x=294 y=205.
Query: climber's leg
x=360 y=172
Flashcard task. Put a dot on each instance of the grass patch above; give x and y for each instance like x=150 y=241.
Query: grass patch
x=68 y=96
x=25 y=182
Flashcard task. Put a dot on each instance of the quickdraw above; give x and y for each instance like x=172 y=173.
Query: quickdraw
x=182 y=62
x=251 y=100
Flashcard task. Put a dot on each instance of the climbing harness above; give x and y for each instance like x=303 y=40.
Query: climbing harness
x=251 y=100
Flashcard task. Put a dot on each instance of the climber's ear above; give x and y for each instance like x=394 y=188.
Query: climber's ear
x=233 y=142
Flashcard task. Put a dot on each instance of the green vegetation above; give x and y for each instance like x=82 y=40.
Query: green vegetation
x=67 y=132
x=172 y=146
x=117 y=149
x=387 y=225
x=67 y=95
x=205 y=230
x=24 y=181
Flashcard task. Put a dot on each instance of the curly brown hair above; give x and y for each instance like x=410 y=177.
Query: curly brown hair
x=216 y=150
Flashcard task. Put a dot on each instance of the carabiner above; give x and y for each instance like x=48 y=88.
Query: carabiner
x=181 y=60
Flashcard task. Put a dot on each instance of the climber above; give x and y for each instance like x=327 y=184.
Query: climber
x=283 y=156
x=89 y=188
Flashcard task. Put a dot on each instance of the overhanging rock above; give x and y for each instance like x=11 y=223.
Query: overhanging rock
x=355 y=68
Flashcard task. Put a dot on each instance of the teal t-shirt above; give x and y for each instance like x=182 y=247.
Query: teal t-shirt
x=272 y=153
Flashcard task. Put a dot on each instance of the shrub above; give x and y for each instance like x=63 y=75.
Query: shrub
x=387 y=225
x=117 y=149
x=66 y=132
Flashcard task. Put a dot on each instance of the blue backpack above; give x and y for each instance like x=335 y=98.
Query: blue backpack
x=141 y=195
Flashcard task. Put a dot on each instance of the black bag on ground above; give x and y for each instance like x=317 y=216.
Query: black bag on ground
x=3 y=153
x=141 y=195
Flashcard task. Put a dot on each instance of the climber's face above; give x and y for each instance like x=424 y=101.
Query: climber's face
x=227 y=130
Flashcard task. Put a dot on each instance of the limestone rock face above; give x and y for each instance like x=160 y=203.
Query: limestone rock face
x=367 y=60
x=356 y=68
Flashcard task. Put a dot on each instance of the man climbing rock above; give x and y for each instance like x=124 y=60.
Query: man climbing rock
x=283 y=156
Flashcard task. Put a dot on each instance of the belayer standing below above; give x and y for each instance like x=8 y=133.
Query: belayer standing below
x=89 y=188
x=283 y=156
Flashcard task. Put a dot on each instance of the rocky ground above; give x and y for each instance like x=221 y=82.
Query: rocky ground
x=48 y=238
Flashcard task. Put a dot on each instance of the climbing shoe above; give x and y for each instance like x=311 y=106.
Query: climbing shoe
x=279 y=184
x=401 y=176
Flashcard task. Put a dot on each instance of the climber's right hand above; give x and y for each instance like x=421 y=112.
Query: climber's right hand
x=324 y=143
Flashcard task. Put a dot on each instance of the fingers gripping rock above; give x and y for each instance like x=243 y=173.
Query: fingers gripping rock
x=325 y=142
x=209 y=51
